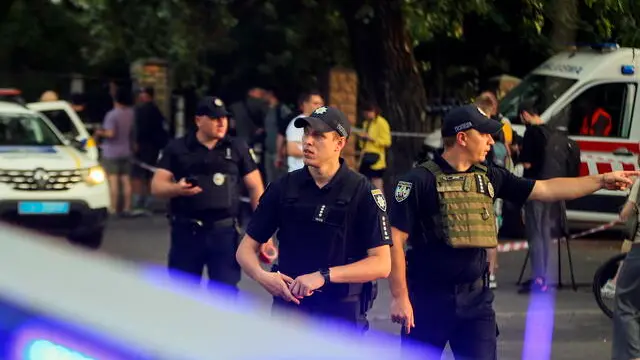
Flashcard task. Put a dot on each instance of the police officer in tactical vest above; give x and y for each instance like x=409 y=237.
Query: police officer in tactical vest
x=200 y=173
x=444 y=209
x=332 y=228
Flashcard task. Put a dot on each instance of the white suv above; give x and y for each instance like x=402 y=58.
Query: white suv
x=47 y=183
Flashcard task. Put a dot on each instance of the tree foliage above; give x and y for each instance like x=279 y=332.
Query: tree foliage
x=229 y=44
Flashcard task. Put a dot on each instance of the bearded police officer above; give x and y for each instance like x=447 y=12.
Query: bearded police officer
x=201 y=173
x=332 y=227
x=444 y=208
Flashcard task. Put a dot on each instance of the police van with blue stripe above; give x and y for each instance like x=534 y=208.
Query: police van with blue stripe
x=48 y=182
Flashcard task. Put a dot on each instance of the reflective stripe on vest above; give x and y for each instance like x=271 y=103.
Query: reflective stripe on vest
x=588 y=126
x=466 y=207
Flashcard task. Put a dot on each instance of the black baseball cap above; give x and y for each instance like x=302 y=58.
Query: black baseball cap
x=325 y=119
x=212 y=107
x=468 y=117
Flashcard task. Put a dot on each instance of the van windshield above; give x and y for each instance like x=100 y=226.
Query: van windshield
x=540 y=88
x=26 y=130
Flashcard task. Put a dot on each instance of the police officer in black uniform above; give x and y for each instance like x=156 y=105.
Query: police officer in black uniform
x=332 y=229
x=440 y=291
x=201 y=173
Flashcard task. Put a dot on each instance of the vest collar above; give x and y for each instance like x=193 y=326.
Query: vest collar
x=342 y=170
x=192 y=141
x=446 y=168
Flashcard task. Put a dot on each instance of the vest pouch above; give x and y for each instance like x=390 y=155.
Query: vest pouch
x=216 y=192
x=467 y=214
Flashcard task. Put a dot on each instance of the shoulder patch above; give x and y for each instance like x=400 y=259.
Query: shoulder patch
x=403 y=189
x=378 y=196
x=253 y=155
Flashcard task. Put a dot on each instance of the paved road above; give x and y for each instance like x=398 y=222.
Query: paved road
x=580 y=330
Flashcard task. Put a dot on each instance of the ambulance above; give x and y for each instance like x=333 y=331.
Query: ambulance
x=575 y=88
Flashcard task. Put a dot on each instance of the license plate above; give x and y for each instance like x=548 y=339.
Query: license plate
x=43 y=207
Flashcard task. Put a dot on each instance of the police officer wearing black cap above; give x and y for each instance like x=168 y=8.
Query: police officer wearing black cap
x=201 y=173
x=444 y=209
x=332 y=229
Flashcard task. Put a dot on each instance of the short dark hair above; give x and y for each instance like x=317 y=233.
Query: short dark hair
x=532 y=106
x=371 y=106
x=123 y=96
x=304 y=97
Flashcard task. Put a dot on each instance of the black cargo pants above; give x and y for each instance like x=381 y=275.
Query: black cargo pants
x=196 y=246
x=461 y=315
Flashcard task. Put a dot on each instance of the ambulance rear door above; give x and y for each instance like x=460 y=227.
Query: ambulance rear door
x=615 y=148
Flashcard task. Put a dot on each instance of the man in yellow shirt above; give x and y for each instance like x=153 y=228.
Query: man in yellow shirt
x=374 y=142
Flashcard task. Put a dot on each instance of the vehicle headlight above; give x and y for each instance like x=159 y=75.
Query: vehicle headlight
x=95 y=175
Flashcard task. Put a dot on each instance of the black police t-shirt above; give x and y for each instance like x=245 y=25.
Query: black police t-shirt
x=416 y=200
x=173 y=160
x=368 y=227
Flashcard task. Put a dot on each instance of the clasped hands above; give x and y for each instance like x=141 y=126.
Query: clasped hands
x=289 y=289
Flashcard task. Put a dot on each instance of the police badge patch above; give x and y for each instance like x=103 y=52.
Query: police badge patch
x=378 y=196
x=403 y=189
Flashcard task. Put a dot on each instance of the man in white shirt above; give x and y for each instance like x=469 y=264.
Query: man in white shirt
x=308 y=102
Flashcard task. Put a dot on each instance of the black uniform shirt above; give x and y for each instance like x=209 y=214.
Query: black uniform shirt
x=435 y=261
x=187 y=149
x=367 y=227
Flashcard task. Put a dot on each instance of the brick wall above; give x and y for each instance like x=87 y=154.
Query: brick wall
x=342 y=92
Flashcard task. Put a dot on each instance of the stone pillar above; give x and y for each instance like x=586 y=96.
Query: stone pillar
x=342 y=92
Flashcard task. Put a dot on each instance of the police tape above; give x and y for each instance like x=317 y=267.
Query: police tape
x=398 y=133
x=524 y=245
x=510 y=246
x=153 y=170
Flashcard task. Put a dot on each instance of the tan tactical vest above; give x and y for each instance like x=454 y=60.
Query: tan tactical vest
x=466 y=206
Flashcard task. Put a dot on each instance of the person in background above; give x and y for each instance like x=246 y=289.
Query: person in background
x=150 y=137
x=116 y=133
x=488 y=104
x=626 y=324
x=374 y=142
x=277 y=117
x=538 y=219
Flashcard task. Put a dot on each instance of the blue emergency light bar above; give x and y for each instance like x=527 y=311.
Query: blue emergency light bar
x=59 y=302
x=627 y=69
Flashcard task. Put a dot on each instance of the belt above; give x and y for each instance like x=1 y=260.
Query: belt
x=468 y=287
x=182 y=220
x=479 y=283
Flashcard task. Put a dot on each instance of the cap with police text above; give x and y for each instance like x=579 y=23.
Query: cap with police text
x=212 y=107
x=468 y=117
x=325 y=119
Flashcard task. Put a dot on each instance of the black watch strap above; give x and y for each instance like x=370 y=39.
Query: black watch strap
x=326 y=274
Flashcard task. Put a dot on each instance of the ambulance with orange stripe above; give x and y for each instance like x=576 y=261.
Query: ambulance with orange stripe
x=48 y=182
x=593 y=91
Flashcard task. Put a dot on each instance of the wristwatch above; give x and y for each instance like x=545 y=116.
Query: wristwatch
x=326 y=274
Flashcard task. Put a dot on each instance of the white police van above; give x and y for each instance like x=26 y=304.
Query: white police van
x=573 y=85
x=65 y=119
x=46 y=181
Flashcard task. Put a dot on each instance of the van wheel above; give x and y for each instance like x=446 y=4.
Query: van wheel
x=92 y=240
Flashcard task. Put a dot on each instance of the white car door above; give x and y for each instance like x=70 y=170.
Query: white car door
x=68 y=122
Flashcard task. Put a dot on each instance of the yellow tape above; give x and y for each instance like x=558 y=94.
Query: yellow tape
x=74 y=157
